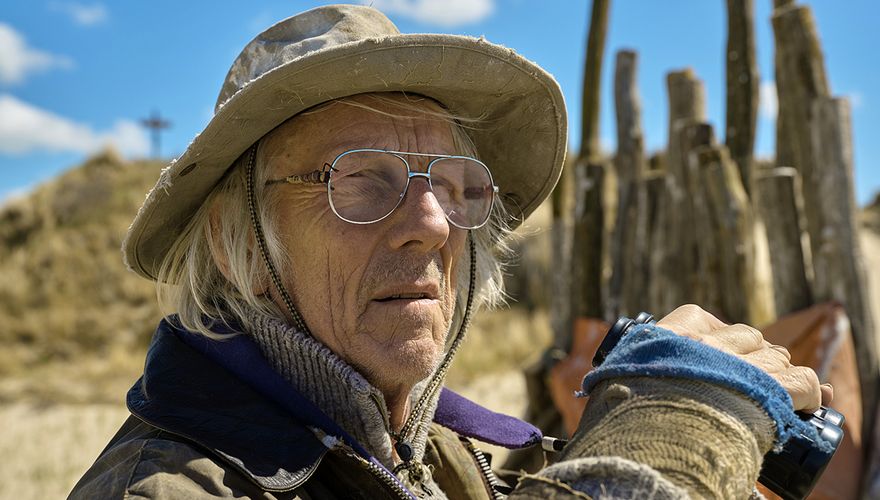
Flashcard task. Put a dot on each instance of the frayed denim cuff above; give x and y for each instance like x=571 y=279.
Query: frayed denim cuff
x=651 y=351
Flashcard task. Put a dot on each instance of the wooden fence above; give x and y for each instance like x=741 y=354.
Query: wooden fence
x=703 y=221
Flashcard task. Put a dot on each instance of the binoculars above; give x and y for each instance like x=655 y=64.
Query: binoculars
x=790 y=473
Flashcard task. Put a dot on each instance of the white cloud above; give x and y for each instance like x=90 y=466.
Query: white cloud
x=446 y=13
x=17 y=60
x=767 y=100
x=82 y=14
x=25 y=128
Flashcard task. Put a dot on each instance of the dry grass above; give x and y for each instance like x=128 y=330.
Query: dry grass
x=48 y=448
x=499 y=341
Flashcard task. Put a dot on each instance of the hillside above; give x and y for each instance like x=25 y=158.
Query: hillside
x=69 y=309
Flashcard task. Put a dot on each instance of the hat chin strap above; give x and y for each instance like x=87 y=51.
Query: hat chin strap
x=264 y=250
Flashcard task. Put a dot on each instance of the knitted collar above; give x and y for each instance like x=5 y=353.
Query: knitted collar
x=336 y=387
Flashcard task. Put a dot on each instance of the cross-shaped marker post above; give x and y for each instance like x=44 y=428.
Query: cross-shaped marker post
x=155 y=123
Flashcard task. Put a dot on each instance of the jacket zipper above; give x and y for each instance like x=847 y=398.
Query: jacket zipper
x=485 y=470
x=392 y=482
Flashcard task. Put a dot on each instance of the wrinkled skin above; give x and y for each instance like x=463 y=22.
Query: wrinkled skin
x=339 y=269
x=748 y=344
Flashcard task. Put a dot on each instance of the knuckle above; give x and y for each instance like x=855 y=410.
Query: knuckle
x=802 y=380
x=809 y=375
x=754 y=334
x=690 y=309
x=749 y=333
x=782 y=351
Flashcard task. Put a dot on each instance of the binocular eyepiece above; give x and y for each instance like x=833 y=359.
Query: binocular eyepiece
x=792 y=472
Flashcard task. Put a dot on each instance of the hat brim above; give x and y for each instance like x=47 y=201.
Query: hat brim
x=521 y=137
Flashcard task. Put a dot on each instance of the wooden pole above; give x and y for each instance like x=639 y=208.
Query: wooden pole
x=703 y=275
x=778 y=200
x=638 y=274
x=733 y=223
x=586 y=289
x=669 y=287
x=592 y=80
x=561 y=234
x=630 y=167
x=800 y=79
x=630 y=158
x=838 y=263
x=742 y=87
x=590 y=177
x=784 y=146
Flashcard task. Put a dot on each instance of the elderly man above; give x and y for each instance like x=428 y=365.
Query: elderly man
x=323 y=244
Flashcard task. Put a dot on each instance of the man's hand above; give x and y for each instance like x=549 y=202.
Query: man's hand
x=748 y=344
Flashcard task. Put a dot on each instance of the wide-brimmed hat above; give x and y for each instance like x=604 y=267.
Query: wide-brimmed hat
x=341 y=50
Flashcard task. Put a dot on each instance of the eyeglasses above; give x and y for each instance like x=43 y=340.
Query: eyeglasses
x=367 y=185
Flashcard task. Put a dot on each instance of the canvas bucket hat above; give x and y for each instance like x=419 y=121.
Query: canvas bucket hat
x=341 y=50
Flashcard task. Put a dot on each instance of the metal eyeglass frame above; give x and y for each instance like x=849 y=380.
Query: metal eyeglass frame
x=324 y=175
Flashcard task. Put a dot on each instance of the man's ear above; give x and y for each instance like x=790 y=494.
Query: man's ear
x=221 y=258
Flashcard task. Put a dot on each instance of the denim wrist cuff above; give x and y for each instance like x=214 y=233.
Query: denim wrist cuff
x=650 y=351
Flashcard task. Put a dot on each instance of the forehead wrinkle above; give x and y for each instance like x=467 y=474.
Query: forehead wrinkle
x=320 y=137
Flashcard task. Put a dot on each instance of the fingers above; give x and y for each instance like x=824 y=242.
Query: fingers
x=782 y=350
x=802 y=385
x=748 y=343
x=827 y=394
x=769 y=360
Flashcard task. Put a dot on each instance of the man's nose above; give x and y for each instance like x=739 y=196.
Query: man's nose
x=419 y=221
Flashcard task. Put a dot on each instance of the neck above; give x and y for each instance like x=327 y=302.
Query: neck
x=398 y=406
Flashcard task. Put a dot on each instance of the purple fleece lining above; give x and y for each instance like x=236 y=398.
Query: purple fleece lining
x=472 y=420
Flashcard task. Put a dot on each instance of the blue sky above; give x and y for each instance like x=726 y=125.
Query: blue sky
x=77 y=75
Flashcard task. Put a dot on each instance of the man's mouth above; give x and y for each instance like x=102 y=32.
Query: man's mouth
x=406 y=293
x=405 y=296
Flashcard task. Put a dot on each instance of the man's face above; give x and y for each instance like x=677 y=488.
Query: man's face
x=343 y=276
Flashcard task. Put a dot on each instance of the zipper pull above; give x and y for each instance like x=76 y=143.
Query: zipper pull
x=404 y=450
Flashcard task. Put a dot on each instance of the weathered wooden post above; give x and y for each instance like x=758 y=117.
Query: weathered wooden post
x=778 y=200
x=742 y=87
x=800 y=79
x=590 y=178
x=672 y=235
x=784 y=148
x=648 y=195
x=560 y=233
x=734 y=225
x=629 y=164
x=838 y=263
x=705 y=274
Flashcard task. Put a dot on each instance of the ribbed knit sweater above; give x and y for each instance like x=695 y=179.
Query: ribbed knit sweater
x=342 y=393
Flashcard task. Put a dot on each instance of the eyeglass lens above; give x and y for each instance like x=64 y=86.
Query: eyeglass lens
x=366 y=186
